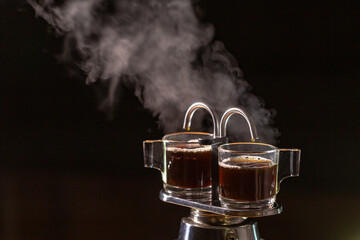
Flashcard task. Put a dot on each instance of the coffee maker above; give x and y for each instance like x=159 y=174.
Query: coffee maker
x=209 y=218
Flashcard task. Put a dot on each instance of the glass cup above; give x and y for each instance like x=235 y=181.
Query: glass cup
x=184 y=163
x=250 y=173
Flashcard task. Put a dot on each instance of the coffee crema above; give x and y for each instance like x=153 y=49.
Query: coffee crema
x=188 y=166
x=247 y=178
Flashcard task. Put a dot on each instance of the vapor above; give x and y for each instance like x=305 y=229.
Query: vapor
x=162 y=50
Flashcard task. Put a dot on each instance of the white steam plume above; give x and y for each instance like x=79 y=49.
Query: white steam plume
x=159 y=47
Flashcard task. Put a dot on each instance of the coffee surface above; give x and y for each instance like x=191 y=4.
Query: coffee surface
x=247 y=178
x=188 y=166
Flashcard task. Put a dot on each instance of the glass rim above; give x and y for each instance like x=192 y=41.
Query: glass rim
x=272 y=150
x=183 y=133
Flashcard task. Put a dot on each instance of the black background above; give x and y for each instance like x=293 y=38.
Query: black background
x=69 y=173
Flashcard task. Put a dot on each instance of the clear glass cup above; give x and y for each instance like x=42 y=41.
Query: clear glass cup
x=184 y=163
x=250 y=173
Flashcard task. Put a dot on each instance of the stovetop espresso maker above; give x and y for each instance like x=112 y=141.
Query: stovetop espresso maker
x=226 y=185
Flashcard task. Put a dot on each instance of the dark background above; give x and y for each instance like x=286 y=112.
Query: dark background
x=66 y=172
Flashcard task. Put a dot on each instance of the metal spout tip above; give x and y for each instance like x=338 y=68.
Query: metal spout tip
x=186 y=128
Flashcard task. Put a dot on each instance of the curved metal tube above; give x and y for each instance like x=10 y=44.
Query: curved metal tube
x=190 y=113
x=225 y=118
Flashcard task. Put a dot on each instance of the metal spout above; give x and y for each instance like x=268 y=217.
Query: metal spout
x=225 y=118
x=192 y=109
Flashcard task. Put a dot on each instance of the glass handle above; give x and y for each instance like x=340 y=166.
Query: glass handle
x=289 y=163
x=154 y=153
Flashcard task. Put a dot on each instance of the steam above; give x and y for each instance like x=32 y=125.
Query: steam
x=161 y=49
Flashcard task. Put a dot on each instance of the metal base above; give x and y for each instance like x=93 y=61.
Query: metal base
x=191 y=230
x=213 y=206
x=211 y=221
